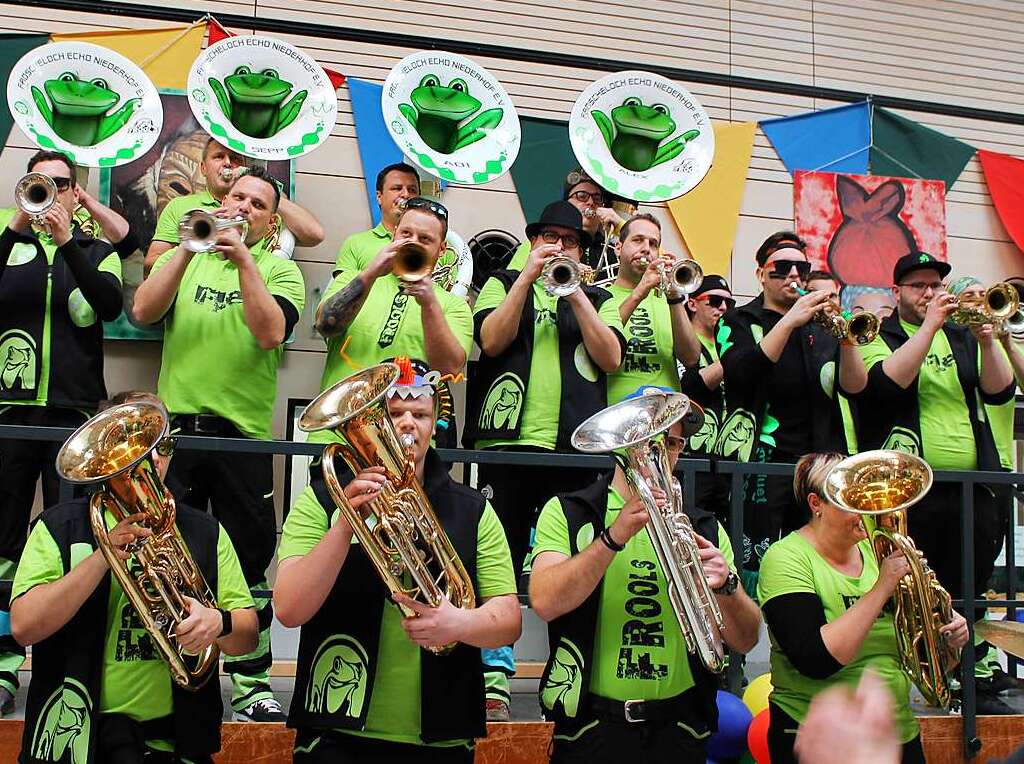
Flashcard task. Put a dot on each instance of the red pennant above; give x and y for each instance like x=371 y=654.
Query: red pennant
x=1005 y=177
x=218 y=33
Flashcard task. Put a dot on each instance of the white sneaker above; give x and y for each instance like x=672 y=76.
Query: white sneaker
x=263 y=710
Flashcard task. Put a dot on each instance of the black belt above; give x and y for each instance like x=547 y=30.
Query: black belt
x=203 y=424
x=638 y=710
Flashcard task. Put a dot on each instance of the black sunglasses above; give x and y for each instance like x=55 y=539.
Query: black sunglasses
x=419 y=203
x=781 y=268
x=62 y=184
x=717 y=301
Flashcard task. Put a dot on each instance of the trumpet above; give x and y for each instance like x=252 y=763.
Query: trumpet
x=858 y=328
x=35 y=193
x=227 y=174
x=683 y=277
x=198 y=229
x=999 y=304
x=413 y=263
x=561 y=275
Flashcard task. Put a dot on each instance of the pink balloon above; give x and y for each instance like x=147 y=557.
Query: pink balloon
x=757 y=738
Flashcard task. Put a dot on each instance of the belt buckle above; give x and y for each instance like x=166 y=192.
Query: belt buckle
x=627 y=710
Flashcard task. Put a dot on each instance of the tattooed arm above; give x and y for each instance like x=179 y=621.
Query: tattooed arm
x=338 y=311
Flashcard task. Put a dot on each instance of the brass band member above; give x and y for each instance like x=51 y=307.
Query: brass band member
x=926 y=375
x=57 y=285
x=619 y=684
x=100 y=691
x=824 y=597
x=221 y=167
x=364 y=690
x=227 y=314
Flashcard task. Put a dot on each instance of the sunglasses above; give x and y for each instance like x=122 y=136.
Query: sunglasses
x=781 y=268
x=569 y=241
x=419 y=203
x=62 y=184
x=586 y=196
x=717 y=301
x=166 y=446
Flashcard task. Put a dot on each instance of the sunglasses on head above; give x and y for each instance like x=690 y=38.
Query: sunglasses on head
x=419 y=203
x=717 y=300
x=781 y=268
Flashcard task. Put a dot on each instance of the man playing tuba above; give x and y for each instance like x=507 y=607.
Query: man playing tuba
x=100 y=690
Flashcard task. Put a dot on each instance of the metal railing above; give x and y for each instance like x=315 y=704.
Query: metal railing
x=688 y=468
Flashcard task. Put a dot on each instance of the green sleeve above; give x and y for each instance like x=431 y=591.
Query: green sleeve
x=167 y=223
x=305 y=526
x=111 y=264
x=40 y=562
x=725 y=547
x=285 y=280
x=784 y=571
x=609 y=311
x=874 y=351
x=346 y=260
x=460 y=321
x=494 y=574
x=162 y=260
x=552 y=530
x=232 y=591
x=490 y=296
x=519 y=257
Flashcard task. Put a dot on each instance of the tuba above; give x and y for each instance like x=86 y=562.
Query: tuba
x=397 y=529
x=881 y=486
x=630 y=431
x=198 y=229
x=118 y=444
x=34 y=194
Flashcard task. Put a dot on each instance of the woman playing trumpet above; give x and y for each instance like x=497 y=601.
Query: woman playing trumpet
x=824 y=596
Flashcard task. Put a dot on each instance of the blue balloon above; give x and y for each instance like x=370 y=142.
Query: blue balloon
x=733 y=720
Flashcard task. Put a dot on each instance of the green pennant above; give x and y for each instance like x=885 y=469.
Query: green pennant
x=903 y=148
x=545 y=158
x=12 y=48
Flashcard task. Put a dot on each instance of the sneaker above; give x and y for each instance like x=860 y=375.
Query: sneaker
x=263 y=710
x=497 y=710
x=6 y=702
x=989 y=704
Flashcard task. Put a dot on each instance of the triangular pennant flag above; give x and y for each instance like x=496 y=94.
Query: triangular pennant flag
x=707 y=215
x=218 y=33
x=539 y=181
x=166 y=55
x=12 y=48
x=376 y=148
x=1004 y=175
x=904 y=148
x=833 y=140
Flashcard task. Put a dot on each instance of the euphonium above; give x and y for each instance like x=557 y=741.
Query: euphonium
x=631 y=430
x=881 y=486
x=999 y=303
x=198 y=229
x=118 y=444
x=34 y=194
x=858 y=328
x=397 y=529
x=561 y=275
x=413 y=262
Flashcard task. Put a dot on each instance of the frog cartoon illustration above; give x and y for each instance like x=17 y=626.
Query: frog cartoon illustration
x=437 y=111
x=253 y=101
x=77 y=109
x=634 y=133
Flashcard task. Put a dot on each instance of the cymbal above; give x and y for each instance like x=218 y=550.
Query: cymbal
x=1006 y=635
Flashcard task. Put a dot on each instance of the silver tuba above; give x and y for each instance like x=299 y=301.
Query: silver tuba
x=34 y=194
x=630 y=430
x=198 y=229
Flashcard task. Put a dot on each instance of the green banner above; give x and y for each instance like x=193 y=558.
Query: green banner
x=545 y=158
x=12 y=48
x=903 y=148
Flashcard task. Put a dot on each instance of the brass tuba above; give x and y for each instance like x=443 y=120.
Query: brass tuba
x=630 y=430
x=398 y=529
x=118 y=444
x=881 y=486
x=34 y=194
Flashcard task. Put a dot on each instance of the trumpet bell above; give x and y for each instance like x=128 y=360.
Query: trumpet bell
x=878 y=482
x=198 y=229
x=35 y=193
x=685 y=275
x=413 y=262
x=999 y=303
x=862 y=328
x=560 y=276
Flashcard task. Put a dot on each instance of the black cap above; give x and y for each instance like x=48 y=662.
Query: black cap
x=562 y=214
x=711 y=281
x=916 y=261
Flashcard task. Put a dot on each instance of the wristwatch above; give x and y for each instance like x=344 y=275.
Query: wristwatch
x=730 y=585
x=226 y=620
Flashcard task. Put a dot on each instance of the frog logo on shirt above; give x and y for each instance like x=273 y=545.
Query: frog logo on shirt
x=705 y=438
x=585 y=365
x=17 y=361
x=902 y=439
x=564 y=679
x=81 y=312
x=339 y=680
x=736 y=436
x=22 y=252
x=62 y=730
x=504 y=403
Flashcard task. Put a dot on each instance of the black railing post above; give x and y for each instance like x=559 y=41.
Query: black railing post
x=1012 y=664
x=968 y=686
x=736 y=539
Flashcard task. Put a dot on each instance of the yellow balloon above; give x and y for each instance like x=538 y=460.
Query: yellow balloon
x=756 y=695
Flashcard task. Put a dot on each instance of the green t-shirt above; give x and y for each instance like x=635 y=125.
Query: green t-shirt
x=650 y=351
x=539 y=425
x=710 y=346
x=519 y=257
x=394 y=712
x=211 y=362
x=135 y=679
x=1000 y=419
x=174 y=211
x=947 y=439
x=639 y=650
x=360 y=248
x=792 y=566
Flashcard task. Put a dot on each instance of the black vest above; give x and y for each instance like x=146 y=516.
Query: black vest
x=75 y=352
x=566 y=678
x=496 y=399
x=338 y=647
x=67 y=667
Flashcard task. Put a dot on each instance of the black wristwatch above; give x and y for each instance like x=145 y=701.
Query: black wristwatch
x=226 y=620
x=730 y=585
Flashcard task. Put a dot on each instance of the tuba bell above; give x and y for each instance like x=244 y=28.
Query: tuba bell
x=881 y=486
x=630 y=430
x=118 y=444
x=398 y=529
x=198 y=229
x=34 y=194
